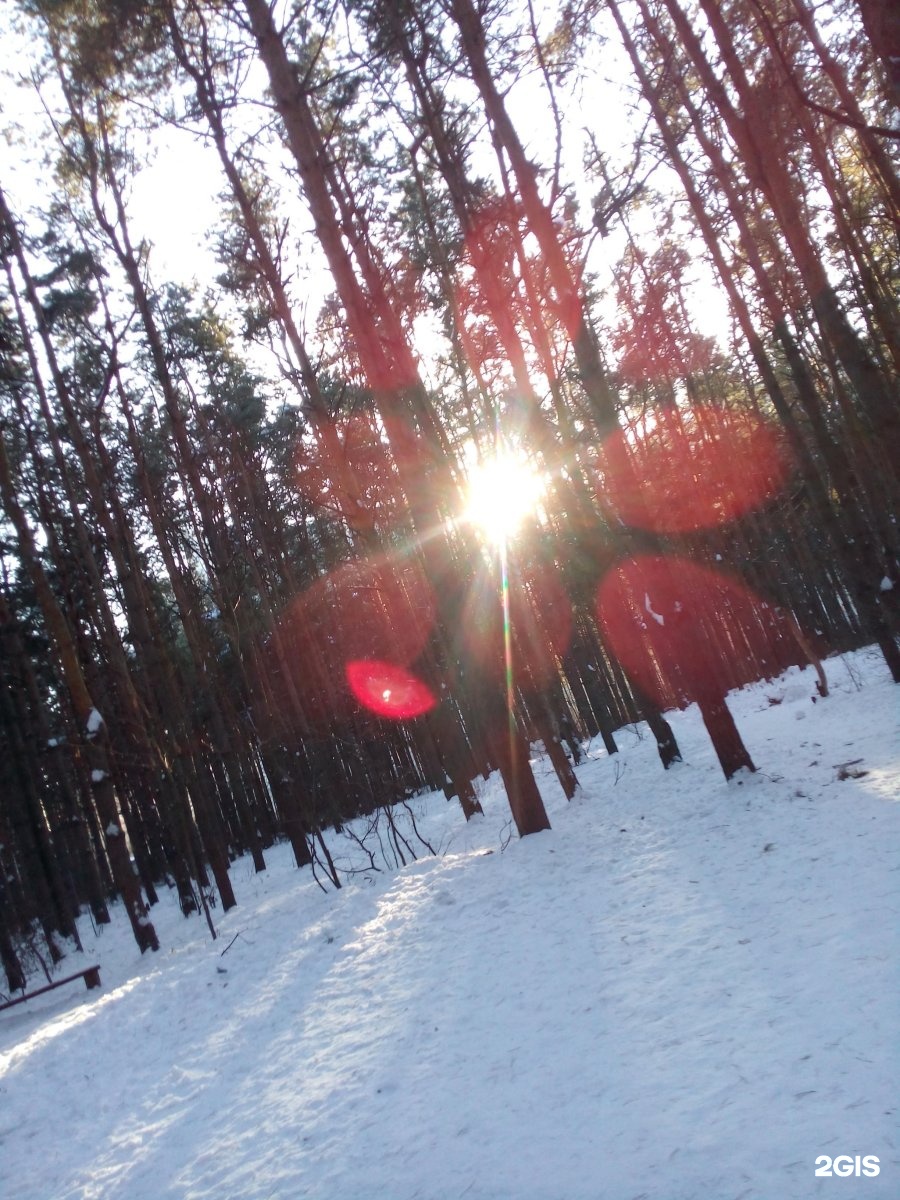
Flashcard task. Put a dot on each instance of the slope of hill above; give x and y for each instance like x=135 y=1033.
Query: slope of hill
x=687 y=990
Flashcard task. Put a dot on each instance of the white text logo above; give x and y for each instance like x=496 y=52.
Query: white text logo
x=846 y=1164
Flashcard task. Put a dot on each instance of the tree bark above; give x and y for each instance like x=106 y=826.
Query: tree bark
x=92 y=724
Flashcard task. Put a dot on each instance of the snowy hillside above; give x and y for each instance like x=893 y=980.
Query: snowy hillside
x=686 y=991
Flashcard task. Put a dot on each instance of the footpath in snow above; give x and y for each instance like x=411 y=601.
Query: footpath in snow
x=687 y=990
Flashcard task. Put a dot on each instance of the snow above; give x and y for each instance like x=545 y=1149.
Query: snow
x=685 y=990
x=94 y=721
x=886 y=585
x=112 y=830
x=97 y=776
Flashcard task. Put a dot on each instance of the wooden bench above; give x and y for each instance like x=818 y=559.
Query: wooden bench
x=90 y=975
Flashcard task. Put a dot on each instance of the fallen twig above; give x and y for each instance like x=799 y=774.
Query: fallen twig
x=231 y=943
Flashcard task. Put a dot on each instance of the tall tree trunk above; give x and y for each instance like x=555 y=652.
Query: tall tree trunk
x=92 y=725
x=378 y=334
x=881 y=21
x=568 y=298
x=767 y=170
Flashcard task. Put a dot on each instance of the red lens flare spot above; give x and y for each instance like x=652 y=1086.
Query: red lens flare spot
x=352 y=468
x=692 y=469
x=381 y=610
x=682 y=631
x=389 y=690
x=372 y=609
x=490 y=301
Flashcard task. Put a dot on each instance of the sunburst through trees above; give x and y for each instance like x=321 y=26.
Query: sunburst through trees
x=445 y=462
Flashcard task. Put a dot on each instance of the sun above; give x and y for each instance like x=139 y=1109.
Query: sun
x=503 y=491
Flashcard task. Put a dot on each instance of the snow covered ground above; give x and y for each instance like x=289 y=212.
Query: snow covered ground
x=687 y=990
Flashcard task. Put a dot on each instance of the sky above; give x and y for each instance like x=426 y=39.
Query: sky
x=174 y=199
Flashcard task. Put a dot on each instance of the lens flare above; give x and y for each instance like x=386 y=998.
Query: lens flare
x=349 y=469
x=376 y=610
x=681 y=630
x=525 y=614
x=389 y=690
x=487 y=288
x=503 y=492
x=693 y=469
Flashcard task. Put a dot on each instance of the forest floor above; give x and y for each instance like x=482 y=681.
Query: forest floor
x=687 y=990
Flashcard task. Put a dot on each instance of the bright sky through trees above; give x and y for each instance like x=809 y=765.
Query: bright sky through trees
x=360 y=423
x=503 y=492
x=174 y=199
